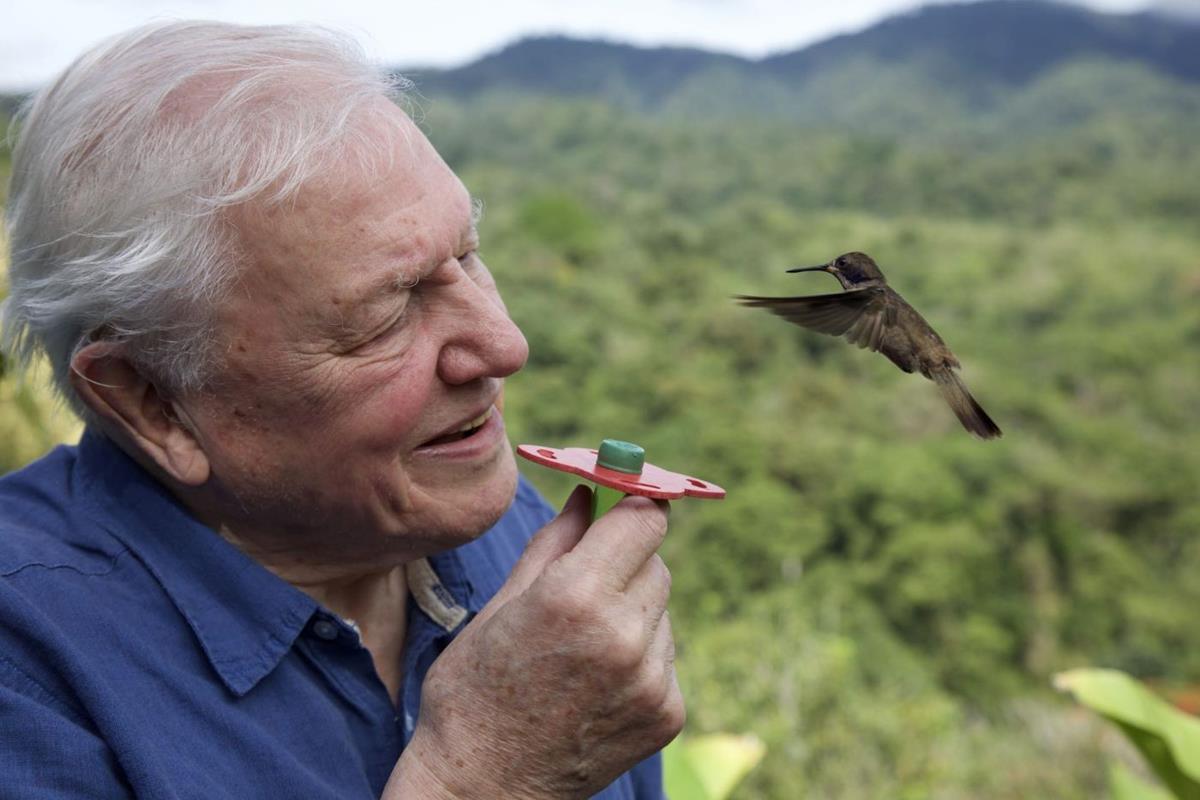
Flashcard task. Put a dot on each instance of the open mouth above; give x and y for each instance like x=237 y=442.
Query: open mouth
x=465 y=432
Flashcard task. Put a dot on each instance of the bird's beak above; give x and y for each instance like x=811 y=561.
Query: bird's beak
x=822 y=268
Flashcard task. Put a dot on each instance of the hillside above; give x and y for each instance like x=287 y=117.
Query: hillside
x=934 y=73
x=1005 y=42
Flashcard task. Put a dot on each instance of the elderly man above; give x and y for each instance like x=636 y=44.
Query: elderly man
x=291 y=556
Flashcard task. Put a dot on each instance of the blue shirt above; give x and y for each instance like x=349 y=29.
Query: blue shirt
x=143 y=655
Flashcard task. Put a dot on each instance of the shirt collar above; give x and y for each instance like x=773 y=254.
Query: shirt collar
x=450 y=587
x=245 y=617
x=473 y=573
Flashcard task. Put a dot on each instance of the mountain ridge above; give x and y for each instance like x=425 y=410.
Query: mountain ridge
x=975 y=53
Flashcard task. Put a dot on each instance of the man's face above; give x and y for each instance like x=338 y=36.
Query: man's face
x=337 y=424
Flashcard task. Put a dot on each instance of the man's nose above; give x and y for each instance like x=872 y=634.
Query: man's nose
x=485 y=342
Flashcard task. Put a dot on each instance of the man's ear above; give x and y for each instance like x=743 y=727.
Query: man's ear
x=114 y=389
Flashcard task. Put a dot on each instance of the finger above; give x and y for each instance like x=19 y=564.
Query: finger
x=660 y=661
x=621 y=541
x=649 y=590
x=674 y=711
x=557 y=537
x=662 y=647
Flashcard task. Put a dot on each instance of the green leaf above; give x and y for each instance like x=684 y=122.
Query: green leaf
x=1167 y=738
x=709 y=767
x=1125 y=785
x=680 y=778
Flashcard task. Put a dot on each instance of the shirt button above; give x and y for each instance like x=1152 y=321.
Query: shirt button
x=325 y=629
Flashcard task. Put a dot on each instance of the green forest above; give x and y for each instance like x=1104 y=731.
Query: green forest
x=881 y=598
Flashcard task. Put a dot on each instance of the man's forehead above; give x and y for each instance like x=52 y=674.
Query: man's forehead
x=384 y=191
x=364 y=234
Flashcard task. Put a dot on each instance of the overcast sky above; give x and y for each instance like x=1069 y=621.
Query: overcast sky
x=40 y=37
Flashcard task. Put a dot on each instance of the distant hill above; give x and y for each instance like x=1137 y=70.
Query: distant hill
x=943 y=66
x=564 y=66
x=1009 y=42
x=1179 y=9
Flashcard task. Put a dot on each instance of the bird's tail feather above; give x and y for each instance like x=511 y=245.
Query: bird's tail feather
x=965 y=407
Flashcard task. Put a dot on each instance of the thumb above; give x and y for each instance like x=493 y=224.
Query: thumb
x=558 y=537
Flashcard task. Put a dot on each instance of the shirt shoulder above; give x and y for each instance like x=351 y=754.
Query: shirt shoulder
x=52 y=562
x=46 y=522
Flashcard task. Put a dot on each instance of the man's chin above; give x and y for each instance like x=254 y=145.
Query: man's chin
x=472 y=509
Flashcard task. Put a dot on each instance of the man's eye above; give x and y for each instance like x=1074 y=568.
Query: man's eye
x=392 y=327
x=384 y=333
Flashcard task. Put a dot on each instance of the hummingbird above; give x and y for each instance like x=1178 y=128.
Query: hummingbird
x=873 y=315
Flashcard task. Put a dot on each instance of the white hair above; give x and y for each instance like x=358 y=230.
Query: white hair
x=123 y=167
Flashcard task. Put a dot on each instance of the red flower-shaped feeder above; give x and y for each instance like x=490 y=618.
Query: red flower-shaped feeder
x=621 y=466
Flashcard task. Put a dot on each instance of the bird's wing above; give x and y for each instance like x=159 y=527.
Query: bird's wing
x=873 y=324
x=861 y=315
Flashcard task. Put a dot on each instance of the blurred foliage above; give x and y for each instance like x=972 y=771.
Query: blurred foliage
x=32 y=420
x=881 y=598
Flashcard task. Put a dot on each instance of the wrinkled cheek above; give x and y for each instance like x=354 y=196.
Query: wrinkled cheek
x=401 y=414
x=395 y=493
x=390 y=424
x=250 y=401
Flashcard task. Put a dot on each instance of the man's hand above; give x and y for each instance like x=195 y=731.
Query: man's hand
x=566 y=678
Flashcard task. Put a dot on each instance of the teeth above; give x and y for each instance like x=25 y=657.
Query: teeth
x=475 y=423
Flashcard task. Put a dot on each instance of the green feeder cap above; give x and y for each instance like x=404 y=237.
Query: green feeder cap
x=621 y=456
